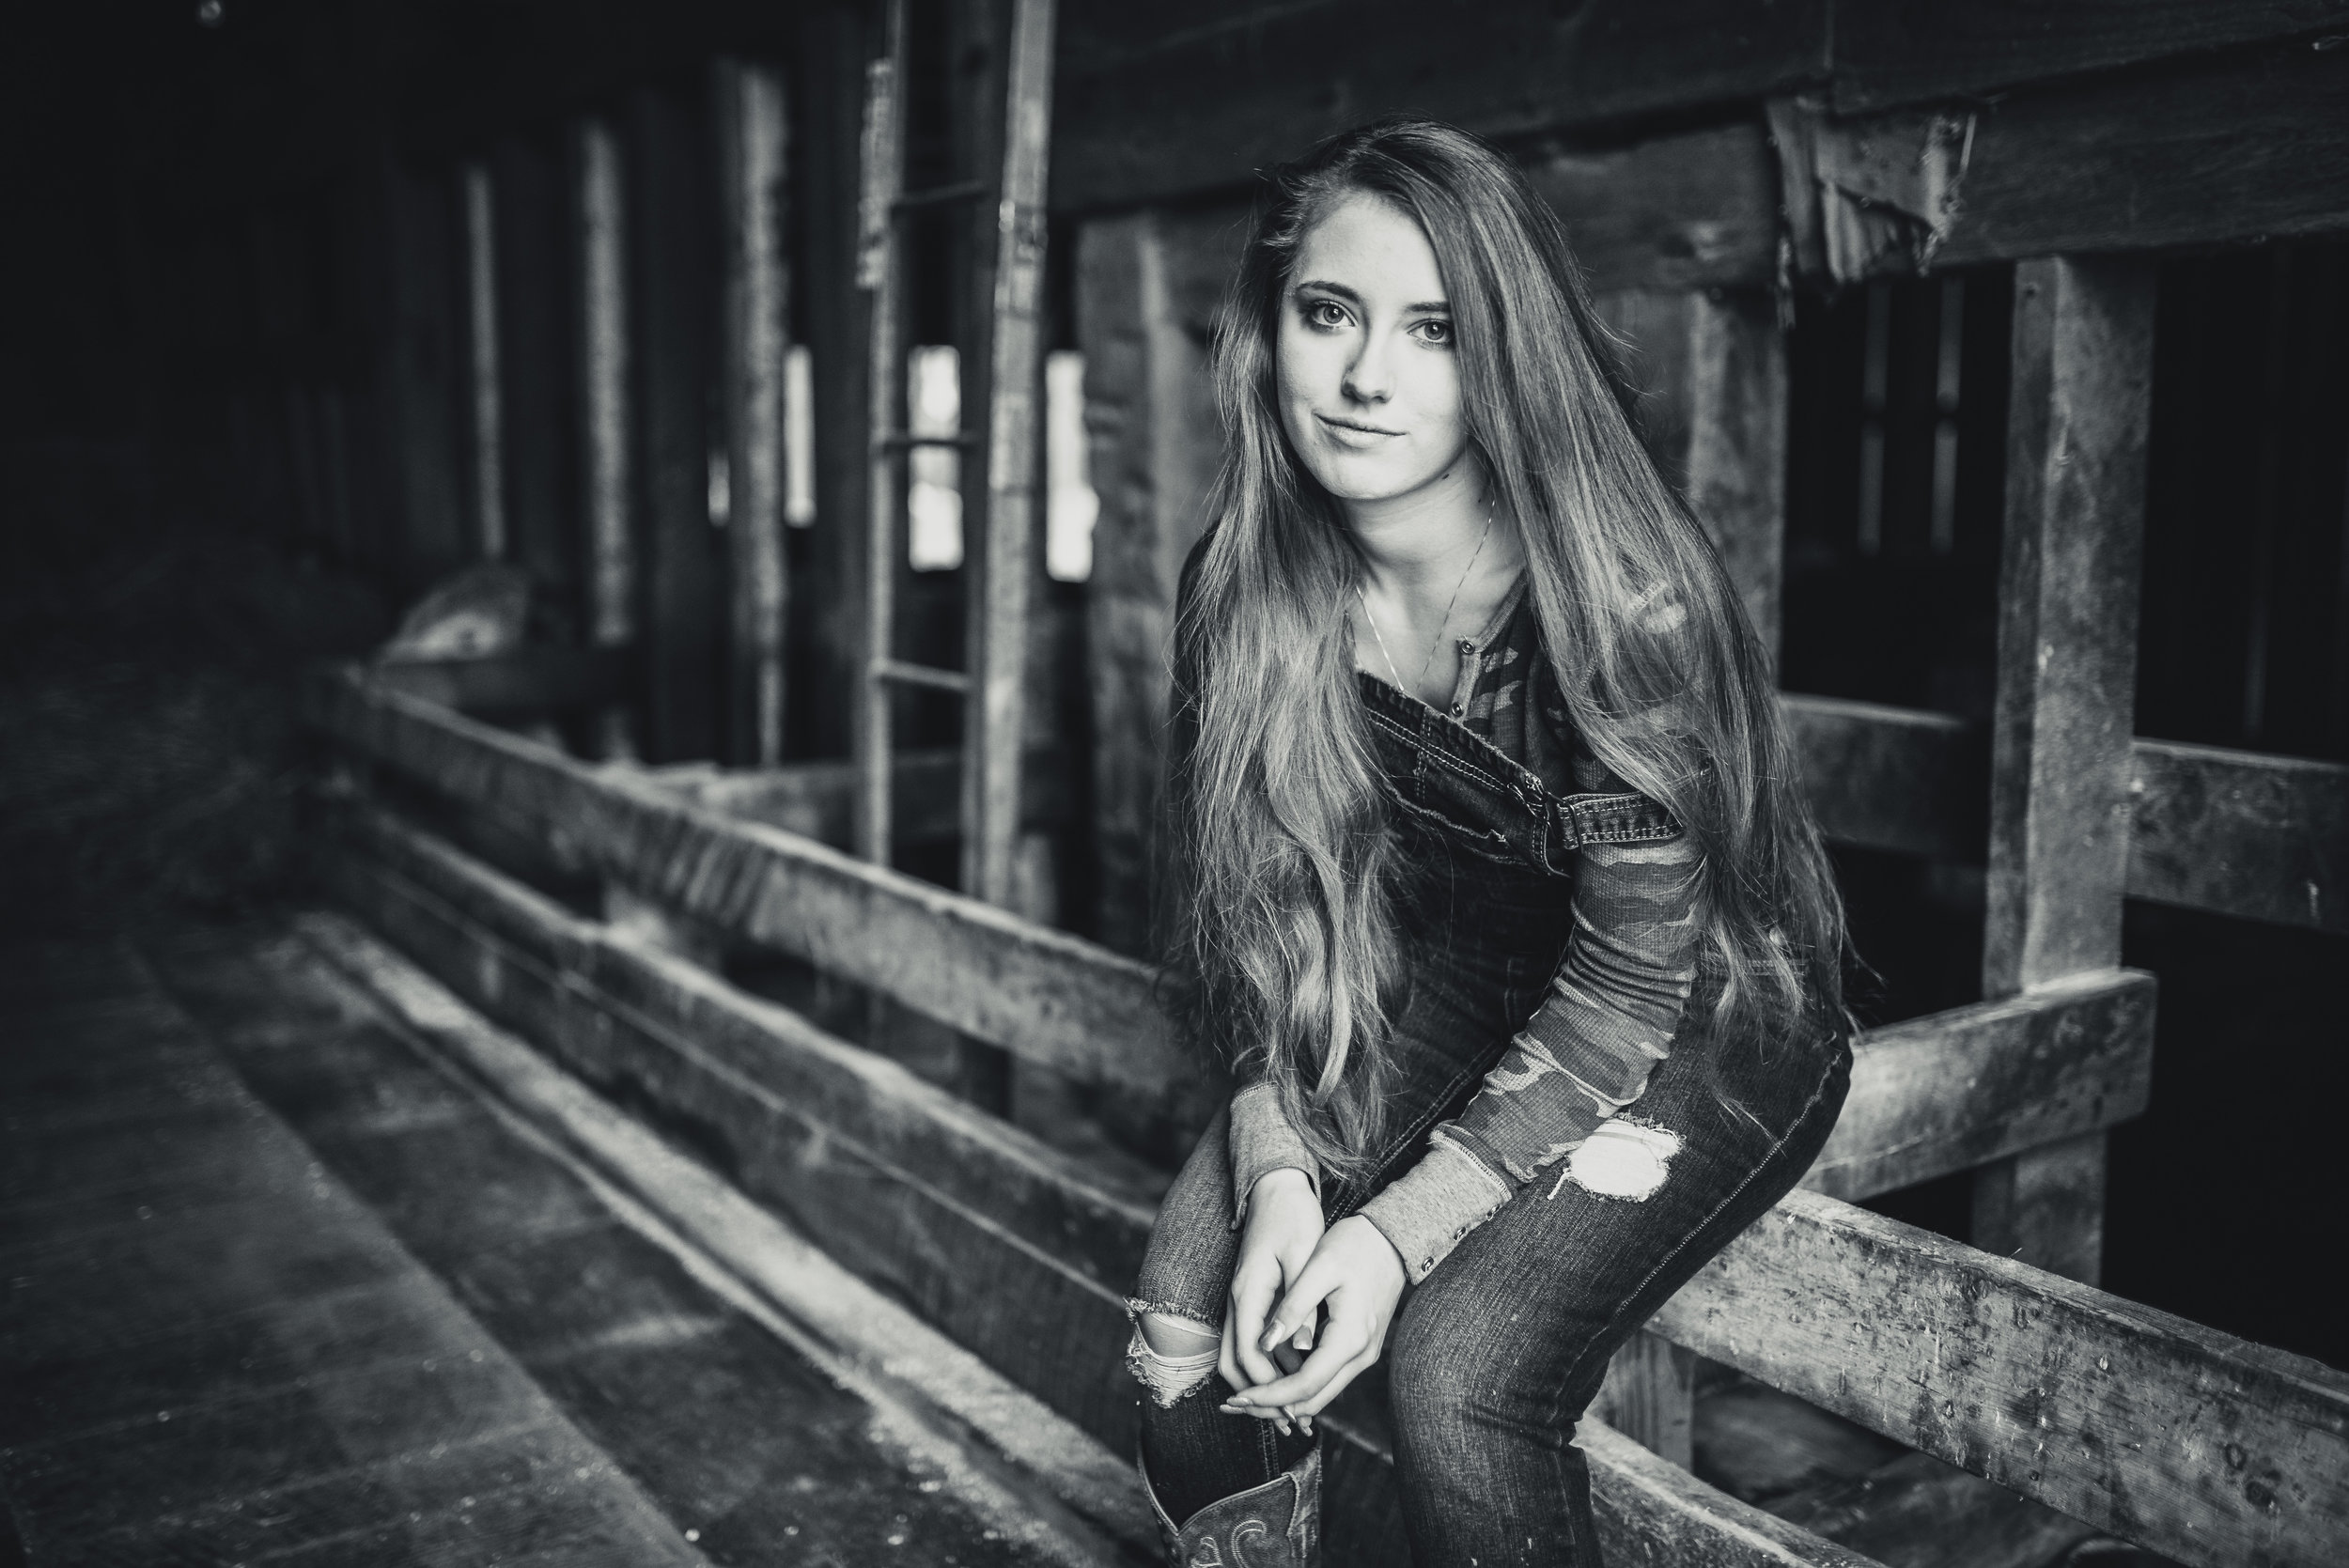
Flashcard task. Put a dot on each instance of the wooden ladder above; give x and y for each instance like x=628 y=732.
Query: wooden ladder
x=1000 y=469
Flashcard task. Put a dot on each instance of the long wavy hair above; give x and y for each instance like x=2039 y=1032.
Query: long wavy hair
x=1282 y=931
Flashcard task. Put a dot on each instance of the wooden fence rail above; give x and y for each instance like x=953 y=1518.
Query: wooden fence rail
x=2203 y=1446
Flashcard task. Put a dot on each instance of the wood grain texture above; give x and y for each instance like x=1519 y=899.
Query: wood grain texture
x=1147 y=285
x=817 y=799
x=2210 y=1450
x=2234 y=148
x=2079 y=415
x=1912 y=52
x=1041 y=994
x=1683 y=209
x=2262 y=837
x=1830 y=1302
x=1893 y=778
x=1950 y=1092
x=1146 y=111
x=956 y=1266
x=968 y=965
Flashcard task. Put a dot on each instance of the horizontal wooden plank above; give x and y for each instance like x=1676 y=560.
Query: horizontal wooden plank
x=1888 y=55
x=2234 y=148
x=2207 y=1448
x=1962 y=1088
x=818 y=798
x=857 y=1177
x=2025 y=1094
x=528 y=683
x=2232 y=832
x=1893 y=778
x=1044 y=995
x=1688 y=209
x=2264 y=837
x=1144 y=110
x=702 y=1060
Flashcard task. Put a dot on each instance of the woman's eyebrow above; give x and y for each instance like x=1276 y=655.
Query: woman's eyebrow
x=1425 y=307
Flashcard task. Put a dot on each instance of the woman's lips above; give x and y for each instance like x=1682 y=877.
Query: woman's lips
x=1353 y=433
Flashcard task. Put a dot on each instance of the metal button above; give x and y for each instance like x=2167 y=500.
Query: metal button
x=1459 y=711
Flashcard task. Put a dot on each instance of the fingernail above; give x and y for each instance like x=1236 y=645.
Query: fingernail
x=1305 y=1424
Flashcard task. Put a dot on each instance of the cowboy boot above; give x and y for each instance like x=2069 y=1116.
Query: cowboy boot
x=1277 y=1524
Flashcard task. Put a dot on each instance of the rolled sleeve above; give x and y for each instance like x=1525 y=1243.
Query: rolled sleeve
x=1262 y=1140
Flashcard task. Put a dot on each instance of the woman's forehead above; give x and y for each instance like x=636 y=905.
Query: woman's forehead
x=1372 y=248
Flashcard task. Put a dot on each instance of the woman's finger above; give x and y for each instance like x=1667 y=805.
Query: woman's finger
x=1341 y=1345
x=1306 y=1410
x=1253 y=1290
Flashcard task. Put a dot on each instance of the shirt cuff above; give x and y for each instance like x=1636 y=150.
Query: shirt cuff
x=1263 y=1140
x=1435 y=1204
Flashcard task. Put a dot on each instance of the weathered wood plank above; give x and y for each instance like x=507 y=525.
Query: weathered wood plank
x=2204 y=1447
x=1147 y=110
x=1063 y=1343
x=1147 y=286
x=2080 y=411
x=1045 y=995
x=747 y=104
x=969 y=966
x=1890 y=54
x=817 y=799
x=1961 y=1087
x=2264 y=837
x=1685 y=210
x=1904 y=1290
x=2232 y=149
x=1893 y=778
x=605 y=412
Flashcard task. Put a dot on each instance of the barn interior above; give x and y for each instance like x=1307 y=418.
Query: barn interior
x=584 y=599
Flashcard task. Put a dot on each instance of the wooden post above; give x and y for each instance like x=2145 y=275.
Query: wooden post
x=1005 y=560
x=827 y=97
x=669 y=319
x=1146 y=288
x=749 y=104
x=604 y=469
x=421 y=392
x=535 y=344
x=486 y=493
x=2060 y=803
x=1711 y=365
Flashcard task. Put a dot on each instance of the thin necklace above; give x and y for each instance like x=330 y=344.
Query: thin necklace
x=1442 y=626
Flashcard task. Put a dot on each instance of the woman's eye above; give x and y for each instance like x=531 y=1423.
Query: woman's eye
x=1325 y=312
x=1436 y=332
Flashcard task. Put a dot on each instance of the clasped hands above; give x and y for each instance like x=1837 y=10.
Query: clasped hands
x=1310 y=1308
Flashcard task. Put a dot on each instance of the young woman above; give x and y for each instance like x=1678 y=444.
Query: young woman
x=1493 y=884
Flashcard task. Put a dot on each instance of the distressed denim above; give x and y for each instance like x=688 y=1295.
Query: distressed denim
x=1499 y=1345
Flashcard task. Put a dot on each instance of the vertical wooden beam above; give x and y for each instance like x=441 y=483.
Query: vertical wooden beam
x=880 y=277
x=1737 y=463
x=420 y=366
x=2083 y=344
x=1650 y=1397
x=749 y=103
x=600 y=246
x=669 y=281
x=533 y=311
x=1147 y=289
x=487 y=492
x=1006 y=559
x=1711 y=369
x=831 y=45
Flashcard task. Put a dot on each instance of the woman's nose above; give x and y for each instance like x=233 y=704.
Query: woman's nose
x=1367 y=379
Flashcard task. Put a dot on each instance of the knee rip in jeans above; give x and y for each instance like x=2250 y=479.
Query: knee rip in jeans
x=1622 y=1158
x=1172 y=1353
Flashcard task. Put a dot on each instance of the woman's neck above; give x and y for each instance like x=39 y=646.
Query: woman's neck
x=1435 y=563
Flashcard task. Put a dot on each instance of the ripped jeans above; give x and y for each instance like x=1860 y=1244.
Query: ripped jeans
x=1491 y=1360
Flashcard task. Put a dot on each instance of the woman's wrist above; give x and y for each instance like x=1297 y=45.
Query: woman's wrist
x=1280 y=1177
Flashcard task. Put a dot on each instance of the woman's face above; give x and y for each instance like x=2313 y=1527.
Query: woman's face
x=1367 y=376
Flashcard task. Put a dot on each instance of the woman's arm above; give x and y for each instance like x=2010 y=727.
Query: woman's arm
x=1609 y=1016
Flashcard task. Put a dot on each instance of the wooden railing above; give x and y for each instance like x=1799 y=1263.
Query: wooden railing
x=2201 y=1446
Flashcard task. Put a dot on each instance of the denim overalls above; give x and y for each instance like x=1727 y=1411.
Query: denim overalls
x=1492 y=1359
